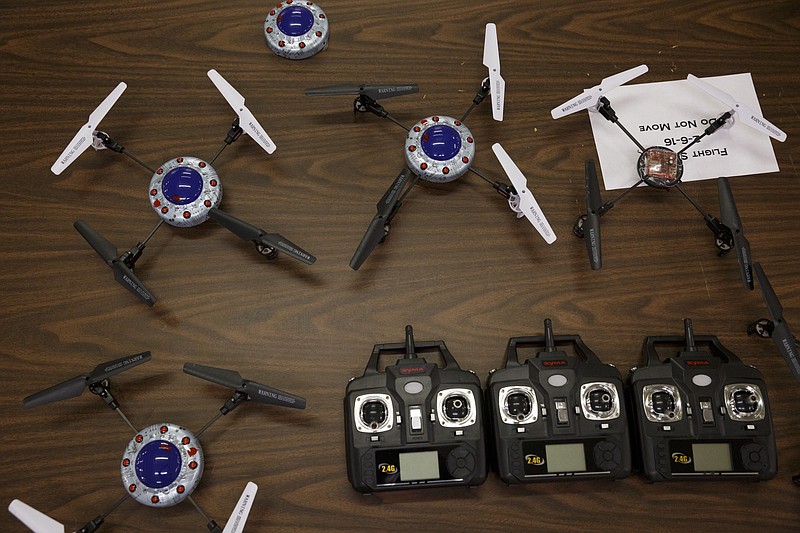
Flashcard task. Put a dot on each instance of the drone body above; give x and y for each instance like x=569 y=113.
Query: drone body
x=183 y=191
x=439 y=149
x=162 y=465
x=296 y=30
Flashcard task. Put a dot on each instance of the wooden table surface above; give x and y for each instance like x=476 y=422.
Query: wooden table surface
x=457 y=266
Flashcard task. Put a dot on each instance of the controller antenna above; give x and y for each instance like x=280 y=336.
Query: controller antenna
x=410 y=343
x=687 y=328
x=549 y=340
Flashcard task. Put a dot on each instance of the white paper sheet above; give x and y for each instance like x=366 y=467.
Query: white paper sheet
x=670 y=114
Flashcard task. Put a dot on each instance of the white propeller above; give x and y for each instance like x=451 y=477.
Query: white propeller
x=242 y=510
x=589 y=97
x=83 y=139
x=747 y=115
x=524 y=203
x=491 y=59
x=247 y=121
x=37 y=521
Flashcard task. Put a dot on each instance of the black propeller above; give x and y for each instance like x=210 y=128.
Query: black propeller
x=729 y=216
x=75 y=386
x=591 y=228
x=254 y=391
x=373 y=91
x=122 y=265
x=379 y=227
x=781 y=336
x=267 y=243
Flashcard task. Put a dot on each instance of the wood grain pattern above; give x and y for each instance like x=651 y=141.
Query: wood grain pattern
x=458 y=265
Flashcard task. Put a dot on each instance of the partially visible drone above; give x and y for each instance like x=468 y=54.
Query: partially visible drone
x=440 y=149
x=184 y=191
x=163 y=463
x=662 y=168
x=775 y=328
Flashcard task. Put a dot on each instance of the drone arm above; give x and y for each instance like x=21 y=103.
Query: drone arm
x=714 y=126
x=106 y=140
x=504 y=190
x=101 y=389
x=210 y=524
x=722 y=233
x=605 y=109
x=483 y=92
x=130 y=257
x=364 y=104
x=233 y=135
x=235 y=401
x=94 y=524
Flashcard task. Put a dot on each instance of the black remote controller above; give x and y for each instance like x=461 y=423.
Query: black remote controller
x=415 y=424
x=701 y=413
x=557 y=416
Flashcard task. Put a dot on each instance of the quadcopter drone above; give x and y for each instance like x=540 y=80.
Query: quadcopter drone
x=184 y=192
x=440 y=149
x=662 y=168
x=163 y=463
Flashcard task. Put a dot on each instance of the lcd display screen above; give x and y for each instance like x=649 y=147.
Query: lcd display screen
x=565 y=457
x=712 y=457
x=419 y=466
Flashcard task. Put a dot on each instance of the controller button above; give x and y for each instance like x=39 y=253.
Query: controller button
x=557 y=380
x=701 y=380
x=413 y=387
